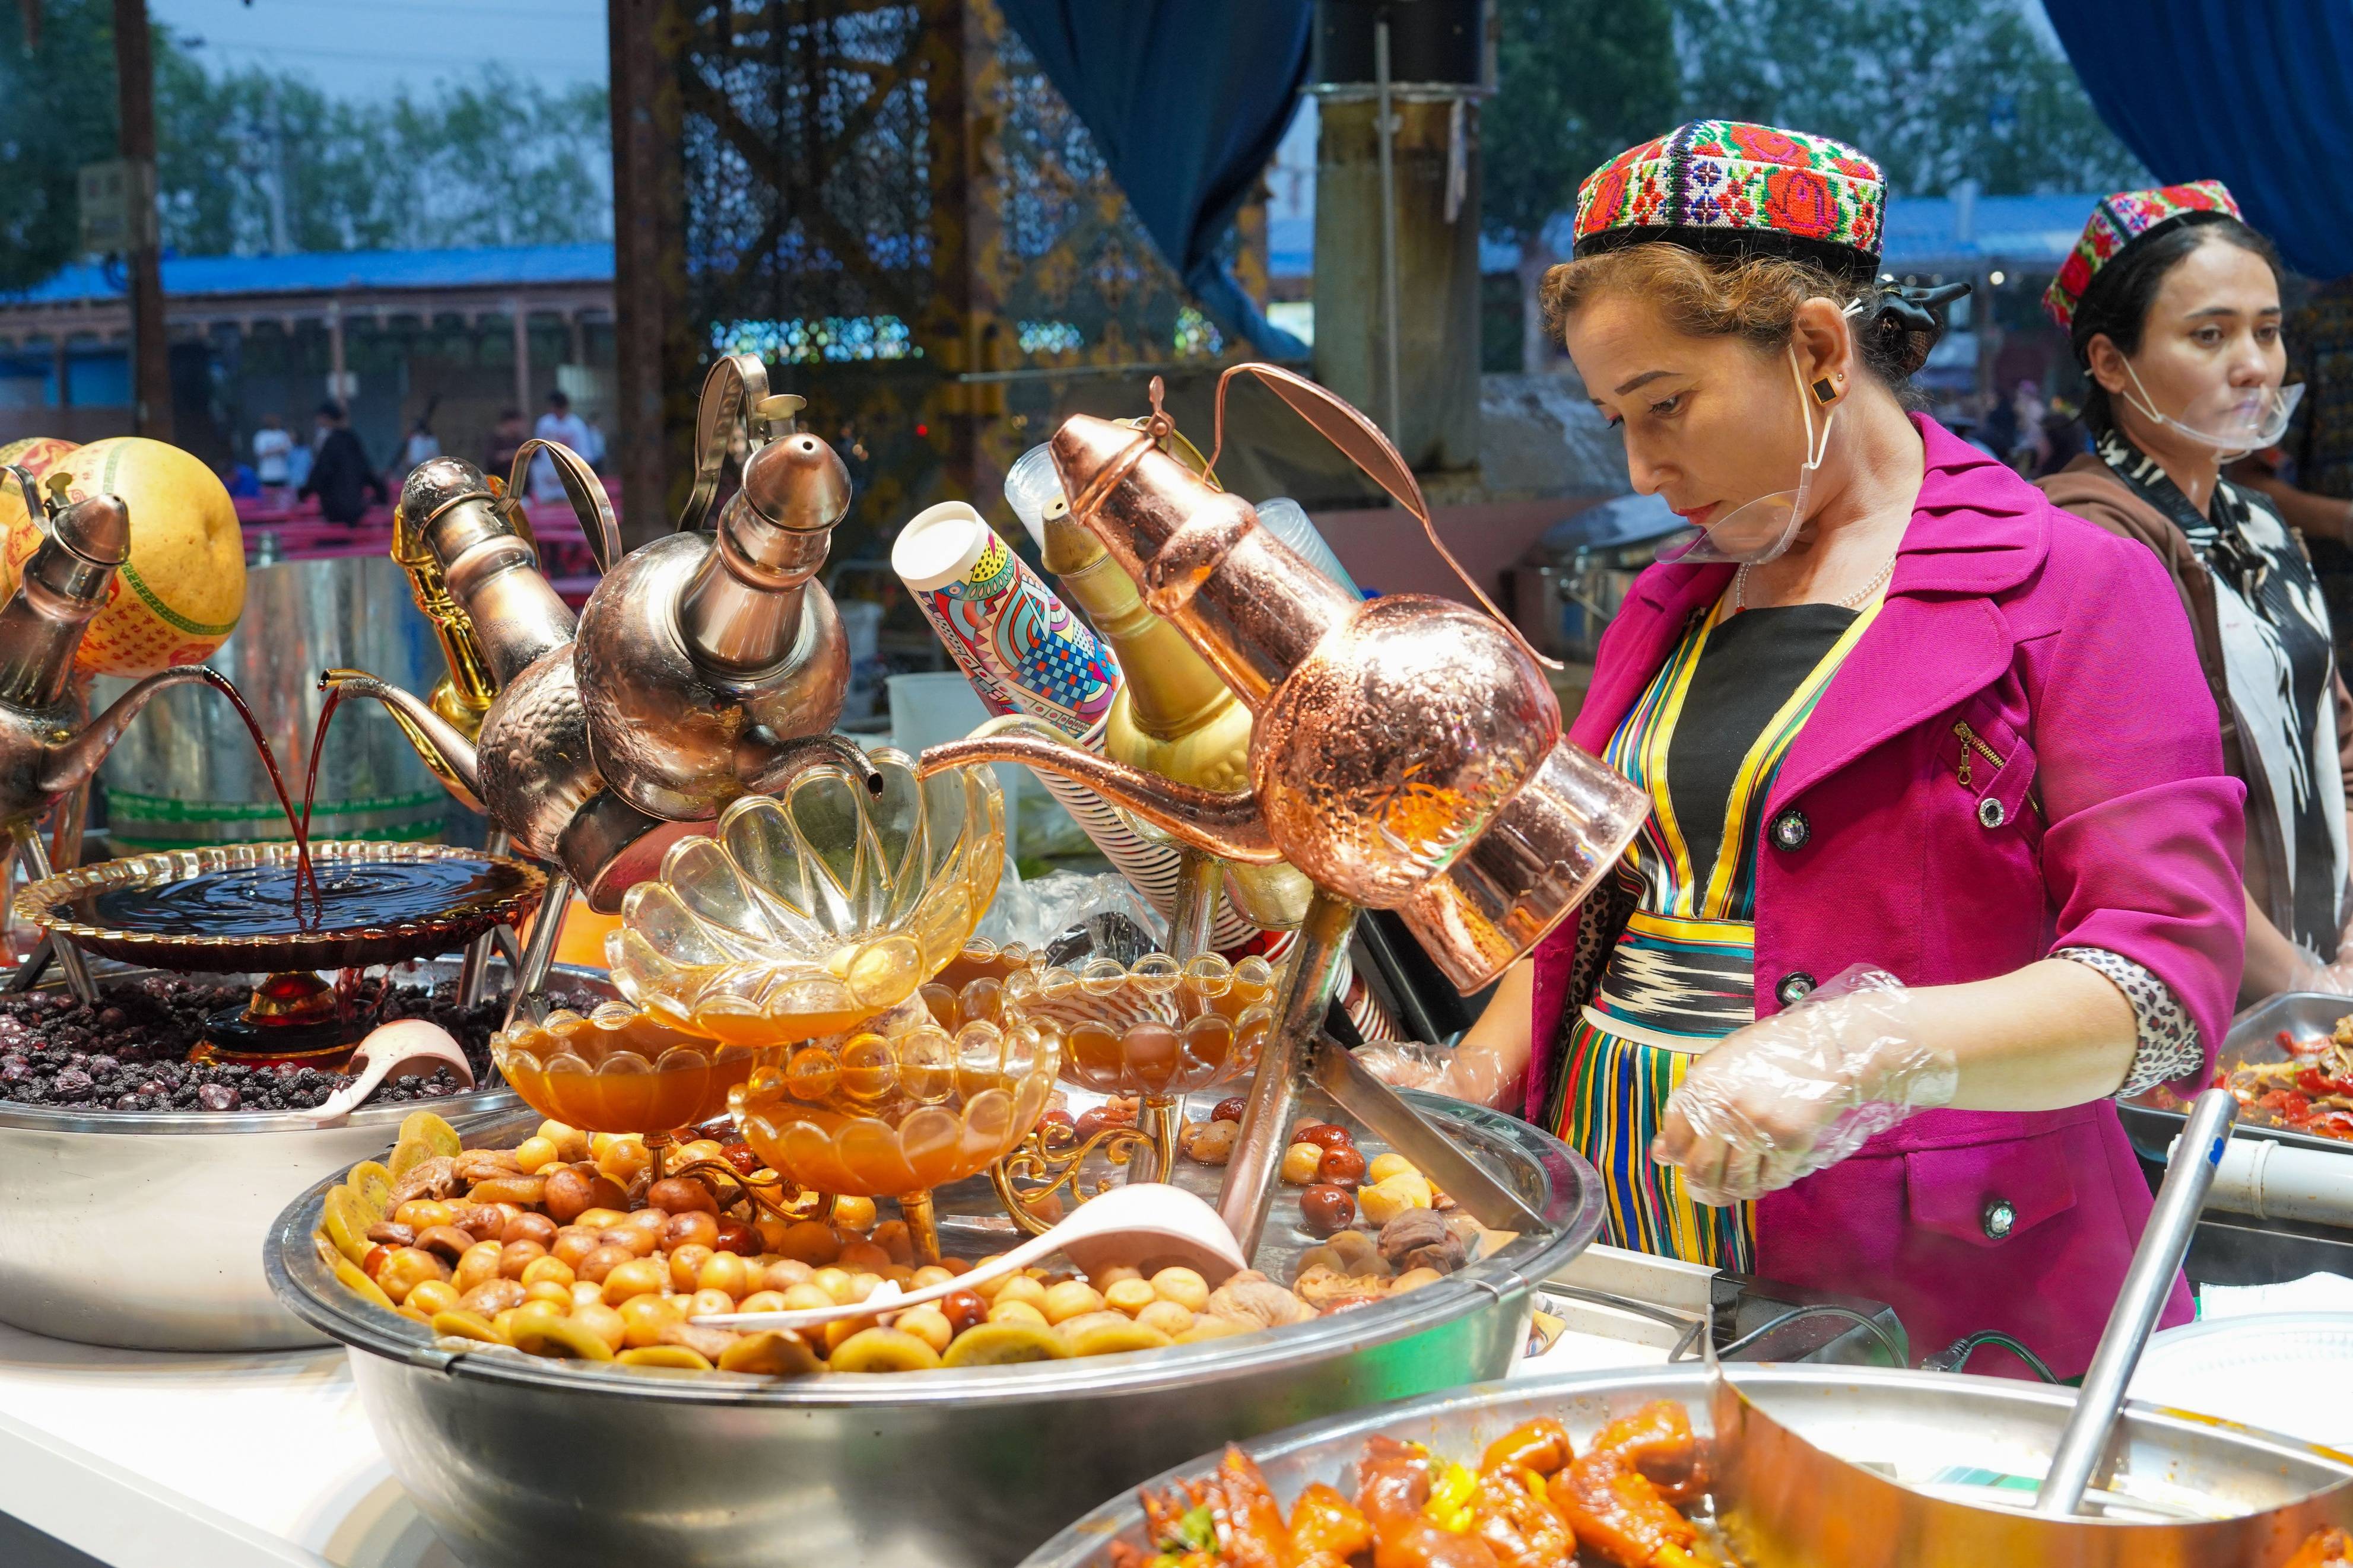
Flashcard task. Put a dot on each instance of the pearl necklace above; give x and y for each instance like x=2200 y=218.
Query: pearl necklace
x=1854 y=600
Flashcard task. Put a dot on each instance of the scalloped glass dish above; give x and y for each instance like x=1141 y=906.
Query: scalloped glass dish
x=619 y=1070
x=1156 y=1028
x=810 y=911
x=898 y=1107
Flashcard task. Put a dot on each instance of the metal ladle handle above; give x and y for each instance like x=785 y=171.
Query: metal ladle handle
x=2189 y=1176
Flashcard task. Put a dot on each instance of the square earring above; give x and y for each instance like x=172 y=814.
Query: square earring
x=1824 y=391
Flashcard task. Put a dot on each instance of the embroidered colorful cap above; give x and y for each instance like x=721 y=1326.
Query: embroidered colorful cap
x=1728 y=187
x=2116 y=222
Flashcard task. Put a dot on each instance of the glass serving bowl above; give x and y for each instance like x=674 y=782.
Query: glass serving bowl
x=897 y=1106
x=982 y=959
x=1157 y=1028
x=619 y=1070
x=808 y=911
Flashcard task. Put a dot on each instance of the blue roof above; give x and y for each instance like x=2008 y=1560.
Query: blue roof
x=2027 y=231
x=319 y=271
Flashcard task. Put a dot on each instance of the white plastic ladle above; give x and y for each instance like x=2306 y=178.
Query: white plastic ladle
x=1149 y=1222
x=404 y=1042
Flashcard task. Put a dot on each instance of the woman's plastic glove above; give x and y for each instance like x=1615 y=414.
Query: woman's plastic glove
x=2312 y=972
x=1465 y=1072
x=1804 y=1089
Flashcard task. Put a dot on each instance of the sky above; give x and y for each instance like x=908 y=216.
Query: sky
x=370 y=49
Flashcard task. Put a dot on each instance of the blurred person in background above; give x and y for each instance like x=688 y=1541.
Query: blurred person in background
x=506 y=439
x=559 y=424
x=421 y=445
x=2309 y=475
x=342 y=476
x=2173 y=306
x=272 y=446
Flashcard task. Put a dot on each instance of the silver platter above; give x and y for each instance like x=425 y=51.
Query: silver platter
x=520 y=1462
x=143 y=1229
x=1933 y=1469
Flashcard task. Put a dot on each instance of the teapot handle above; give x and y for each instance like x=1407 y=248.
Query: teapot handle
x=734 y=396
x=587 y=493
x=1362 y=443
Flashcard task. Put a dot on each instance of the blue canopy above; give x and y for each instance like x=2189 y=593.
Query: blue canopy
x=1185 y=101
x=2251 y=92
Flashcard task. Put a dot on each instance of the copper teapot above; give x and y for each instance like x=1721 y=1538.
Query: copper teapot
x=527 y=766
x=701 y=668
x=1407 y=753
x=707 y=659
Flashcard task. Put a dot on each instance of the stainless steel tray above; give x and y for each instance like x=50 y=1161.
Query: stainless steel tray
x=143 y=1229
x=2154 y=1124
x=520 y=1462
x=1939 y=1436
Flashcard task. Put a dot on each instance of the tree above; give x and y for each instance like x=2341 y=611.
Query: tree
x=57 y=113
x=251 y=161
x=1576 y=81
x=1937 y=91
x=495 y=161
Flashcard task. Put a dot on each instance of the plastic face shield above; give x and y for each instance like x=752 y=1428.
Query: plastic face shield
x=2232 y=419
x=1758 y=531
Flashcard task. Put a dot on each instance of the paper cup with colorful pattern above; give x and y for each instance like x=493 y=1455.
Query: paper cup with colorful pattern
x=1021 y=648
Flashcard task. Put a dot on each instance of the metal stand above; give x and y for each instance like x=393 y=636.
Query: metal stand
x=473 y=974
x=35 y=857
x=1056 y=1162
x=1197 y=879
x=1308 y=985
x=539 y=954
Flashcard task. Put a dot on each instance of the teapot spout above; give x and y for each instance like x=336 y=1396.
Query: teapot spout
x=71 y=765
x=440 y=743
x=1229 y=825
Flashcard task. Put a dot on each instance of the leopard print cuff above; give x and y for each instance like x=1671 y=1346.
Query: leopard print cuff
x=2166 y=1044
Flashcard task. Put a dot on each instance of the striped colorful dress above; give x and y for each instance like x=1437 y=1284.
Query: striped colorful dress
x=1707 y=741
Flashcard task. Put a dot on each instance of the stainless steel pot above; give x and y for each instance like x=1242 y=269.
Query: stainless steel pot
x=518 y=1462
x=186 y=775
x=2242 y=1498
x=143 y=1229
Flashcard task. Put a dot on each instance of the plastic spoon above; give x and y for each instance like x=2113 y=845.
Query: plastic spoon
x=388 y=1049
x=1149 y=1222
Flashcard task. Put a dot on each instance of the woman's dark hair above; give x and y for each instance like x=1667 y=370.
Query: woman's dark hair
x=2117 y=303
x=1751 y=297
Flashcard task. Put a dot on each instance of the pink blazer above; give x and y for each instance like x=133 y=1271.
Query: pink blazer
x=2108 y=823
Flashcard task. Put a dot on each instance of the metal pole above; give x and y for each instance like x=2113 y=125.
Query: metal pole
x=1312 y=976
x=36 y=858
x=150 y=353
x=1388 y=129
x=474 y=973
x=539 y=952
x=2189 y=1173
x=1199 y=877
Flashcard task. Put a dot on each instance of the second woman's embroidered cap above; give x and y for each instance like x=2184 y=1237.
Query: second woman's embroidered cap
x=2116 y=222
x=1728 y=187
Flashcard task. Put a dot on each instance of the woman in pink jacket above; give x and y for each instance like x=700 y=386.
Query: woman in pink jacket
x=1942 y=857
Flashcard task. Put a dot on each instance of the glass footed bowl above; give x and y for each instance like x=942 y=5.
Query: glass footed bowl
x=619 y=1070
x=1154 y=1028
x=810 y=910
x=898 y=1106
x=982 y=959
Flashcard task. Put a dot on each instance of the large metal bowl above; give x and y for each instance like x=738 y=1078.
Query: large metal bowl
x=143 y=1229
x=518 y=1462
x=2244 y=1497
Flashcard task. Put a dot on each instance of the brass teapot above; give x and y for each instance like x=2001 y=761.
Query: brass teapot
x=1407 y=753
